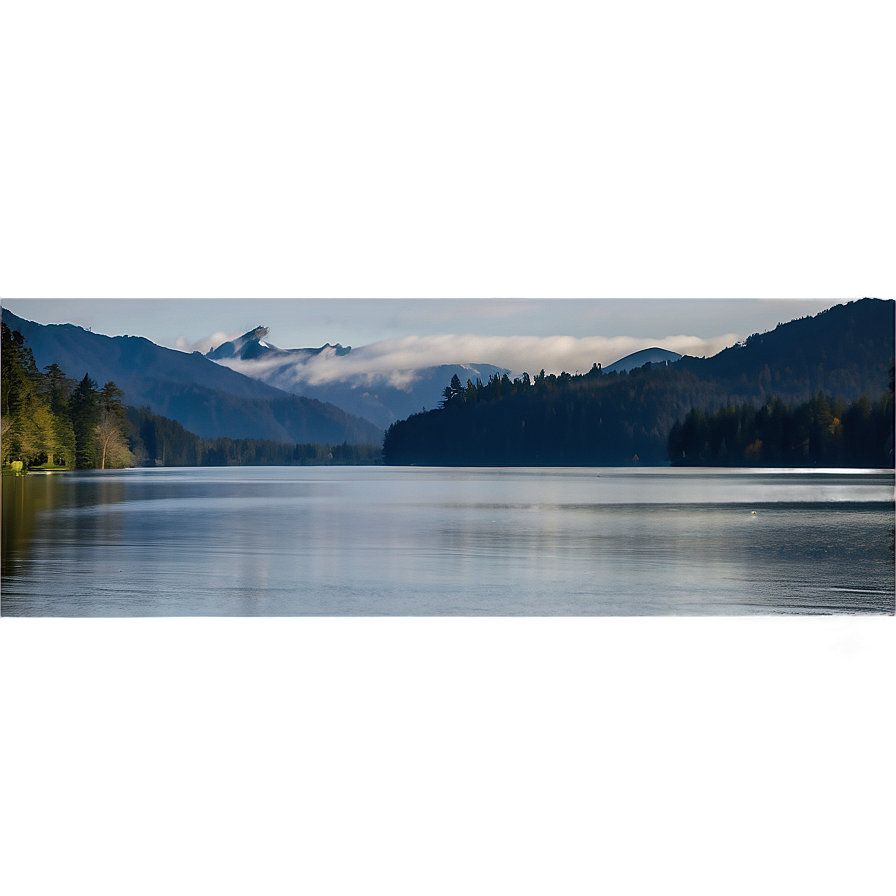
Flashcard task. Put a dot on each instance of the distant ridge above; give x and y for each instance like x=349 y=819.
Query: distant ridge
x=639 y=359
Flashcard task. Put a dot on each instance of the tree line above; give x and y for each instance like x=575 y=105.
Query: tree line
x=159 y=441
x=50 y=420
x=824 y=431
x=588 y=419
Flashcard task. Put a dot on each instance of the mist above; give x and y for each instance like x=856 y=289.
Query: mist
x=395 y=360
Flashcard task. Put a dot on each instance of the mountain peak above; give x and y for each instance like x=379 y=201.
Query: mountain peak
x=251 y=346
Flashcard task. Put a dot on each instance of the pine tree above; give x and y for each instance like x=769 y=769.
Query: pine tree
x=85 y=411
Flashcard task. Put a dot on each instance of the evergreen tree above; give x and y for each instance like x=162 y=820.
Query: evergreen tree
x=29 y=428
x=454 y=393
x=57 y=388
x=85 y=410
x=111 y=399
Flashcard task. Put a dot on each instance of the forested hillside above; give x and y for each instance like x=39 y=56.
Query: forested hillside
x=843 y=351
x=618 y=418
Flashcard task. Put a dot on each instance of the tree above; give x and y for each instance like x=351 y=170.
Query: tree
x=85 y=414
x=454 y=393
x=111 y=399
x=57 y=389
x=112 y=446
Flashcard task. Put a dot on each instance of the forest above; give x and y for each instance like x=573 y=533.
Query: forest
x=646 y=416
x=590 y=419
x=51 y=421
x=821 y=432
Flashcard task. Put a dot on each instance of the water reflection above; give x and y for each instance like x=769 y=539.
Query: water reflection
x=371 y=541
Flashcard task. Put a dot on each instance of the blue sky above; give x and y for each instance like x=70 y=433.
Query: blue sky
x=500 y=152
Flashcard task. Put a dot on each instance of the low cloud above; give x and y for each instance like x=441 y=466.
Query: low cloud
x=395 y=360
x=204 y=345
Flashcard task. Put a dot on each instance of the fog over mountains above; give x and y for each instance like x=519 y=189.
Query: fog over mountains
x=343 y=377
x=366 y=381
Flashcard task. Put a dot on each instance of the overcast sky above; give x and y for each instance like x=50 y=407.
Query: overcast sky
x=500 y=150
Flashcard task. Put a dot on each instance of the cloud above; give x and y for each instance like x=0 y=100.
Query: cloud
x=206 y=344
x=395 y=360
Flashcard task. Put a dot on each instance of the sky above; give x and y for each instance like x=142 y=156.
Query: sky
x=498 y=151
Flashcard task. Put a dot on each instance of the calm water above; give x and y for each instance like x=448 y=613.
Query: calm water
x=467 y=541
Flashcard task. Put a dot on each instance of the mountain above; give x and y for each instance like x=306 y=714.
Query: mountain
x=204 y=397
x=251 y=346
x=618 y=418
x=322 y=373
x=639 y=359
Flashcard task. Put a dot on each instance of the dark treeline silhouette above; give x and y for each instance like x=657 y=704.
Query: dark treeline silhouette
x=158 y=441
x=820 y=432
x=620 y=418
x=549 y=420
x=646 y=416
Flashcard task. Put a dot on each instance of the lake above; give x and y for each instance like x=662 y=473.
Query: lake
x=437 y=681
x=416 y=541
